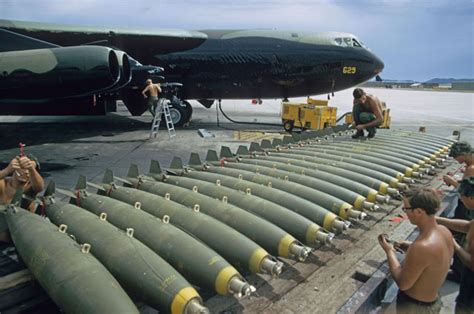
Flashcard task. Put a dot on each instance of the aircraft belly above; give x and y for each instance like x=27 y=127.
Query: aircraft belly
x=272 y=76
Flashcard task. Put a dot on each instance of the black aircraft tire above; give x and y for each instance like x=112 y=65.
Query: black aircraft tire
x=178 y=115
x=288 y=125
x=188 y=111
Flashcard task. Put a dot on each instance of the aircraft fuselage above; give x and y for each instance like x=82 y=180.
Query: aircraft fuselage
x=263 y=67
x=210 y=64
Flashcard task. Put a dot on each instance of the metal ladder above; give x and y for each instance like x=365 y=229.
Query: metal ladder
x=163 y=108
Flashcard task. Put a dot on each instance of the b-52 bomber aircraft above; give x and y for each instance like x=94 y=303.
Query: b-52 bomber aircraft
x=52 y=69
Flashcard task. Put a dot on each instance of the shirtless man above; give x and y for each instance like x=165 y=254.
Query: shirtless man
x=366 y=112
x=427 y=258
x=23 y=176
x=154 y=90
x=465 y=298
x=462 y=152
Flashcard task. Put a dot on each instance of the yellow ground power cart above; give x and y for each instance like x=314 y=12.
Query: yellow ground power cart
x=314 y=114
x=385 y=115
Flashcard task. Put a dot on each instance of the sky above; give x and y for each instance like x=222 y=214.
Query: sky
x=416 y=39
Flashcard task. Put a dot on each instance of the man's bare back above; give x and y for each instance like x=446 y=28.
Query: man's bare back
x=372 y=103
x=153 y=89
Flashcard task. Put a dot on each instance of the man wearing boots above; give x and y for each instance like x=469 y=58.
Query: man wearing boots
x=366 y=113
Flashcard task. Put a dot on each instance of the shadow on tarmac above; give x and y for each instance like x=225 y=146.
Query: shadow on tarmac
x=31 y=133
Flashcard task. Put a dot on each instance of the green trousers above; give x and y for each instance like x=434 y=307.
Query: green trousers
x=362 y=117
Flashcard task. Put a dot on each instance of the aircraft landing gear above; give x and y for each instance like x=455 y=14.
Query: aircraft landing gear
x=188 y=110
x=180 y=111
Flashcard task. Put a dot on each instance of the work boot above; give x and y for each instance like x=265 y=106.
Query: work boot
x=359 y=134
x=371 y=133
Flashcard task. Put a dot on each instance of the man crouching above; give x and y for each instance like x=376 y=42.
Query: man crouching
x=366 y=112
x=427 y=259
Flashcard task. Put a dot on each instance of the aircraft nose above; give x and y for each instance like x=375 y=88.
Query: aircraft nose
x=378 y=65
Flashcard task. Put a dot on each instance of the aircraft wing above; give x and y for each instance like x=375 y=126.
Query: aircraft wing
x=141 y=44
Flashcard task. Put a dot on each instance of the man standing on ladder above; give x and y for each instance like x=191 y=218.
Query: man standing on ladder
x=153 y=103
x=154 y=90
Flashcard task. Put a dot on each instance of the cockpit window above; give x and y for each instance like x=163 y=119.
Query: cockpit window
x=343 y=42
x=348 y=42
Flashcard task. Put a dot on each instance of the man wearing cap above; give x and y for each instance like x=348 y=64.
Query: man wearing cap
x=25 y=176
x=465 y=298
x=366 y=113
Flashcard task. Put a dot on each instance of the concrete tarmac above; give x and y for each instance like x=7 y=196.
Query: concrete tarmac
x=70 y=146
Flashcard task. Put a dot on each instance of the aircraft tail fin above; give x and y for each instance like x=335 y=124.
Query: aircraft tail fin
x=378 y=78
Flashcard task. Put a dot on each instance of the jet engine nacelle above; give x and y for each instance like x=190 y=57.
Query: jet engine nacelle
x=125 y=71
x=61 y=72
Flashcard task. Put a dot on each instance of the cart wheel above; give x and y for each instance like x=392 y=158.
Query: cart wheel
x=288 y=125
